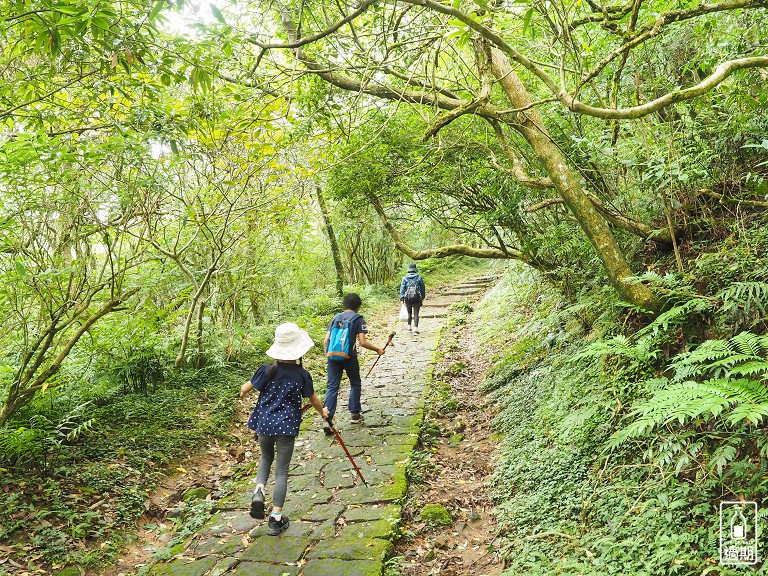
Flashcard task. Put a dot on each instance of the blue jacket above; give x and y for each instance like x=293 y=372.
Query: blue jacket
x=419 y=280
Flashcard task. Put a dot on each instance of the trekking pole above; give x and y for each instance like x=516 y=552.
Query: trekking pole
x=391 y=335
x=344 y=446
x=341 y=442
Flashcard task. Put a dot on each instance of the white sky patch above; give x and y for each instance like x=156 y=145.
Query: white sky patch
x=182 y=22
x=157 y=150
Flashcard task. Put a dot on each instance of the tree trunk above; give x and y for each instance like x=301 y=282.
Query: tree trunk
x=332 y=239
x=531 y=127
x=191 y=314
x=199 y=334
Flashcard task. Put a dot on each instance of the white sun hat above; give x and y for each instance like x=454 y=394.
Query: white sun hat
x=291 y=342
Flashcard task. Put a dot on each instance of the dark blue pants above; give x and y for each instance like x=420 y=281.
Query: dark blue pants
x=335 y=371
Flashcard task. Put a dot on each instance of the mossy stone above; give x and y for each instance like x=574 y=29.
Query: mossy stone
x=198 y=493
x=68 y=571
x=335 y=567
x=456 y=438
x=185 y=567
x=353 y=547
x=435 y=515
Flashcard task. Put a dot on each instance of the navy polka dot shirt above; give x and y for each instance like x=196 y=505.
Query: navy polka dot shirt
x=278 y=409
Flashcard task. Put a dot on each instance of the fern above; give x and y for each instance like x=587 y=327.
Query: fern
x=676 y=316
x=742 y=355
x=718 y=379
x=40 y=444
x=620 y=346
x=722 y=456
x=744 y=296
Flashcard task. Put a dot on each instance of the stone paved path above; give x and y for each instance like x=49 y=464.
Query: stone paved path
x=339 y=527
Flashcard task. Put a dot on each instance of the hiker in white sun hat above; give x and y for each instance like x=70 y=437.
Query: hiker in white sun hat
x=277 y=416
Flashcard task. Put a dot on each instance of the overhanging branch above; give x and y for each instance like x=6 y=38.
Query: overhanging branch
x=451 y=249
x=723 y=70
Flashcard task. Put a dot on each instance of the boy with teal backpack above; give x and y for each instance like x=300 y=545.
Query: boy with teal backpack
x=346 y=330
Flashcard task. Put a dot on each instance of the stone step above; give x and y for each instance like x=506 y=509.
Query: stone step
x=465 y=292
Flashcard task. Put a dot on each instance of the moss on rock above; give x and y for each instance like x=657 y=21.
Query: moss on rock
x=435 y=515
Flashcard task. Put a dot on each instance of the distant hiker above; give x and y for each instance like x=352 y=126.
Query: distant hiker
x=346 y=330
x=412 y=294
x=277 y=416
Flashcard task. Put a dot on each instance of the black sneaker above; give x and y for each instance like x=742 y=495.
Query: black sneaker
x=357 y=418
x=257 y=505
x=277 y=526
x=327 y=429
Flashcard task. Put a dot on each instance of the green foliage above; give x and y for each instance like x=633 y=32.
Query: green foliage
x=648 y=505
x=742 y=303
x=39 y=445
x=68 y=490
x=708 y=383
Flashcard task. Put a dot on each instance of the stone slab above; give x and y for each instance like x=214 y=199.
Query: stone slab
x=276 y=549
x=222 y=546
x=384 y=529
x=185 y=567
x=368 y=513
x=264 y=569
x=223 y=566
x=352 y=548
x=323 y=512
x=296 y=529
x=332 y=567
x=229 y=522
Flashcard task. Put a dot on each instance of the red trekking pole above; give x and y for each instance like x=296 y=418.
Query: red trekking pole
x=391 y=335
x=341 y=442
x=344 y=446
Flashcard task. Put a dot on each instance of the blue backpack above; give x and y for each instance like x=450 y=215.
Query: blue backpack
x=340 y=344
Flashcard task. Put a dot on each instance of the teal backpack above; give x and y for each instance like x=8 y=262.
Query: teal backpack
x=339 y=344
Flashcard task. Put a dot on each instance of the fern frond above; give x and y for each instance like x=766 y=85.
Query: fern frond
x=753 y=413
x=721 y=456
x=743 y=294
x=750 y=368
x=748 y=344
x=619 y=346
x=675 y=316
x=740 y=390
x=685 y=401
x=742 y=355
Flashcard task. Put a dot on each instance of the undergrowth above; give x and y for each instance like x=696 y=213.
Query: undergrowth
x=621 y=437
x=75 y=501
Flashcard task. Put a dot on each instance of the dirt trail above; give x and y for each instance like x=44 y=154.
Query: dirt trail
x=456 y=454
x=338 y=525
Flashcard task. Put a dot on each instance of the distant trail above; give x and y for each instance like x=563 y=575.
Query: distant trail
x=338 y=527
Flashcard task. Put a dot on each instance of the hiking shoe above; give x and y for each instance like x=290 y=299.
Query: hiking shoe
x=277 y=526
x=408 y=328
x=415 y=330
x=257 y=504
x=327 y=429
x=357 y=418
